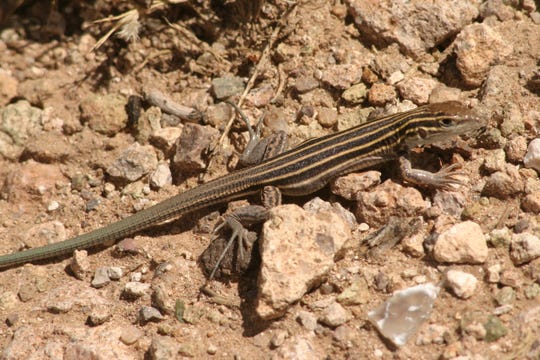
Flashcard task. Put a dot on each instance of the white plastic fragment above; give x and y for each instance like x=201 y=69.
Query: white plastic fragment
x=532 y=157
x=401 y=315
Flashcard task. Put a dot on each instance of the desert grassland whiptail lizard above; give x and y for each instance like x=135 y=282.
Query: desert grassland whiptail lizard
x=299 y=171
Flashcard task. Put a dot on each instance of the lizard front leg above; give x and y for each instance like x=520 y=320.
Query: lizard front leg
x=256 y=151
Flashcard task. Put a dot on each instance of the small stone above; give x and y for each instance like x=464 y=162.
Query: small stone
x=516 y=148
x=399 y=317
x=417 y=89
x=342 y=76
x=462 y=284
x=227 y=86
x=327 y=117
x=305 y=84
x=135 y=290
x=355 y=94
x=463 y=243
x=165 y=138
x=500 y=238
x=477 y=48
x=493 y=273
x=349 y=186
x=115 y=272
x=60 y=307
x=191 y=147
x=80 y=265
x=356 y=294
x=307 y=320
x=135 y=162
x=161 y=177
x=335 y=315
x=494 y=329
x=511 y=278
x=130 y=335
x=432 y=334
x=104 y=114
x=505 y=296
x=495 y=161
x=503 y=184
x=532 y=157
x=211 y=349
x=278 y=338
x=53 y=205
x=148 y=313
x=524 y=248
x=532 y=291
x=101 y=277
x=99 y=315
x=380 y=94
x=531 y=203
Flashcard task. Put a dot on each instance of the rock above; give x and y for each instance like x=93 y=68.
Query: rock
x=101 y=277
x=302 y=346
x=515 y=149
x=356 y=294
x=161 y=177
x=399 y=317
x=417 y=89
x=134 y=289
x=463 y=243
x=478 y=47
x=462 y=284
x=327 y=117
x=415 y=26
x=532 y=157
x=227 y=86
x=297 y=248
x=380 y=94
x=524 y=248
x=335 y=315
x=130 y=335
x=8 y=90
x=100 y=314
x=505 y=296
x=148 y=313
x=342 y=76
x=305 y=84
x=355 y=94
x=504 y=184
x=389 y=199
x=19 y=122
x=531 y=203
x=349 y=186
x=432 y=334
x=494 y=329
x=135 y=162
x=45 y=233
x=104 y=114
x=191 y=147
x=307 y=320
x=31 y=180
x=79 y=264
x=163 y=348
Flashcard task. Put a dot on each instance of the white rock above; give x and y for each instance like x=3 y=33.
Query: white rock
x=463 y=243
x=532 y=157
x=525 y=247
x=462 y=284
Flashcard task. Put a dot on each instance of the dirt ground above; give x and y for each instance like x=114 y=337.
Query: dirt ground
x=57 y=174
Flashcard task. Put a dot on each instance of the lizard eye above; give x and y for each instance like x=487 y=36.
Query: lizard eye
x=447 y=122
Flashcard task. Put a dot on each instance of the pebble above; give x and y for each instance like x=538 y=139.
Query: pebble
x=349 y=186
x=104 y=114
x=505 y=184
x=211 y=349
x=165 y=138
x=477 y=48
x=335 y=315
x=130 y=335
x=505 y=296
x=101 y=277
x=18 y=123
x=417 y=89
x=463 y=243
x=99 y=315
x=191 y=147
x=135 y=290
x=225 y=87
x=115 y=272
x=515 y=149
x=524 y=248
x=495 y=329
x=342 y=76
x=495 y=161
x=80 y=265
x=305 y=84
x=494 y=273
x=307 y=320
x=356 y=294
x=135 y=162
x=148 y=313
x=355 y=94
x=161 y=177
x=380 y=94
x=462 y=284
x=327 y=117
x=532 y=157
x=298 y=248
x=278 y=338
x=531 y=203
